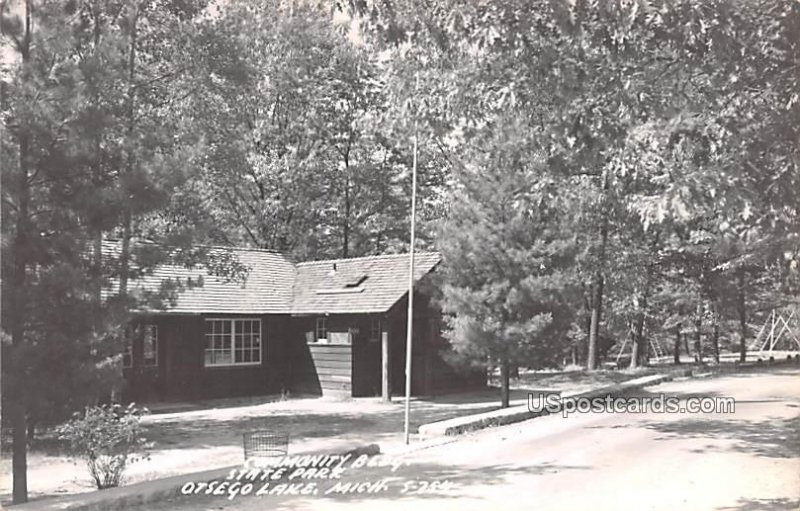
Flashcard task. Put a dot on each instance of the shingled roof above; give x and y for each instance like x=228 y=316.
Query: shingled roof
x=266 y=289
x=276 y=285
x=357 y=285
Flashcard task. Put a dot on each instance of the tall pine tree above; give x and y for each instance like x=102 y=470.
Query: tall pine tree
x=506 y=286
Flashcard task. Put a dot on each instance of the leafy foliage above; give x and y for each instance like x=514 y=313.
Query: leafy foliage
x=506 y=261
x=594 y=172
x=108 y=438
x=297 y=158
x=672 y=123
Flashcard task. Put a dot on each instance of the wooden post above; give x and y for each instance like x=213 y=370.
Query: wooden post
x=410 y=324
x=386 y=384
x=772 y=330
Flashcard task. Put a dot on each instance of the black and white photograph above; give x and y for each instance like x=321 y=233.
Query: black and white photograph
x=331 y=255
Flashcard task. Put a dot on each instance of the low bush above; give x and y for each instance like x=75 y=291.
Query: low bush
x=108 y=438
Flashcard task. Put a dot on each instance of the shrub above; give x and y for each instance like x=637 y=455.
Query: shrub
x=108 y=438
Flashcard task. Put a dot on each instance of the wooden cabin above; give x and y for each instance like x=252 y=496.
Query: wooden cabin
x=334 y=327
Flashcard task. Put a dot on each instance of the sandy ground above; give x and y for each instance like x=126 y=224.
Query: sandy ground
x=743 y=461
x=207 y=438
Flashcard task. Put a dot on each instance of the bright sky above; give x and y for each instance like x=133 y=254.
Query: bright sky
x=8 y=55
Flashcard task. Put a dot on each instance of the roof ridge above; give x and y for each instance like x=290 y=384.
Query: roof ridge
x=205 y=245
x=244 y=249
x=361 y=258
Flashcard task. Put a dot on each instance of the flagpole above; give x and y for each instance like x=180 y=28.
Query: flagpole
x=409 y=326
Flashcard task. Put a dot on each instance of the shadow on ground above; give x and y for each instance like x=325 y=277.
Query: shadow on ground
x=411 y=482
x=773 y=438
x=215 y=432
x=764 y=505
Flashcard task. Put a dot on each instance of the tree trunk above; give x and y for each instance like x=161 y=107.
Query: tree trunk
x=97 y=231
x=504 y=384
x=347 y=199
x=125 y=252
x=18 y=410
x=21 y=253
x=127 y=215
x=97 y=256
x=19 y=449
x=127 y=211
x=597 y=288
x=346 y=225
x=640 y=351
x=31 y=431
x=686 y=344
x=698 y=339
x=715 y=338
x=594 y=326
x=97 y=273
x=742 y=310
x=676 y=354
x=635 y=347
x=379 y=242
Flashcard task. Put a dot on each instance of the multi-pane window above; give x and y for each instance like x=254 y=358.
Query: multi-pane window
x=233 y=342
x=127 y=353
x=323 y=335
x=375 y=329
x=218 y=342
x=142 y=337
x=150 y=345
x=246 y=342
x=322 y=330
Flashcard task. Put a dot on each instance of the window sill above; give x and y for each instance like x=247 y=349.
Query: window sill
x=228 y=366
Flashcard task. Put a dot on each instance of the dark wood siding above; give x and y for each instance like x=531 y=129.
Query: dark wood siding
x=289 y=362
x=431 y=374
x=355 y=370
x=366 y=357
x=147 y=383
x=421 y=349
x=182 y=374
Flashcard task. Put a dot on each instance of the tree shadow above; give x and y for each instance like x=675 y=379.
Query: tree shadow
x=458 y=477
x=570 y=378
x=198 y=432
x=782 y=504
x=641 y=393
x=754 y=371
x=773 y=438
x=488 y=397
x=409 y=482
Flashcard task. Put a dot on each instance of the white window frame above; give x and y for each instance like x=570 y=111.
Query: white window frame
x=152 y=329
x=233 y=342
